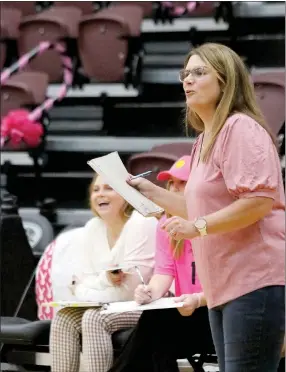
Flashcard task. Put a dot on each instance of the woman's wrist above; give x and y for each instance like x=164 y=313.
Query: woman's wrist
x=200 y=299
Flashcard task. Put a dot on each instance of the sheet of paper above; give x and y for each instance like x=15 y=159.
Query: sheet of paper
x=72 y=304
x=121 y=307
x=113 y=171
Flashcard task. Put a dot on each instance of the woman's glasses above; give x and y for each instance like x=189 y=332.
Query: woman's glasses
x=195 y=73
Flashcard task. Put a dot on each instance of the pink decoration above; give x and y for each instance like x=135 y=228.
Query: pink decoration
x=17 y=126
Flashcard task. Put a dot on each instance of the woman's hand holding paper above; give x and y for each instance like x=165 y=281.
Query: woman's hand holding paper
x=191 y=303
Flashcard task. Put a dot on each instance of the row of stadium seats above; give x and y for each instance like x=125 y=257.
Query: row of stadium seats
x=30 y=89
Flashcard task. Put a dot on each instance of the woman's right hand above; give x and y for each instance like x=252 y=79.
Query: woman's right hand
x=143 y=294
x=146 y=187
x=116 y=277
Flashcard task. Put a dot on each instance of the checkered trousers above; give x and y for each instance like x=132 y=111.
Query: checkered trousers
x=71 y=325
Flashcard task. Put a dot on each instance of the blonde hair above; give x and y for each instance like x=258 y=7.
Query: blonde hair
x=237 y=91
x=177 y=246
x=128 y=208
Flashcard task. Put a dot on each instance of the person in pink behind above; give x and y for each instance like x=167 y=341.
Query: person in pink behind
x=156 y=342
x=233 y=211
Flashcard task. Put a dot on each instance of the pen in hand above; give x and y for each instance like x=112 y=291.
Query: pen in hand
x=144 y=174
x=142 y=280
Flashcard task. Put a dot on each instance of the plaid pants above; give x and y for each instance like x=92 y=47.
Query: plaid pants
x=70 y=325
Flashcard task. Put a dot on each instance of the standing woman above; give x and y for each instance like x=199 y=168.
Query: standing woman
x=233 y=210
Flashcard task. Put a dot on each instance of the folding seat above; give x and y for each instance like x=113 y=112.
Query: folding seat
x=3 y=37
x=204 y=9
x=23 y=90
x=109 y=43
x=270 y=93
x=147 y=6
x=25 y=7
x=178 y=149
x=160 y=157
x=54 y=24
x=154 y=161
x=10 y=20
x=86 y=7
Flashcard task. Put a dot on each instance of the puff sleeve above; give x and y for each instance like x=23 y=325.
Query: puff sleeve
x=249 y=160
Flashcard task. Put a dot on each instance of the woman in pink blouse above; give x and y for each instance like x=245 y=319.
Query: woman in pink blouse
x=158 y=339
x=233 y=210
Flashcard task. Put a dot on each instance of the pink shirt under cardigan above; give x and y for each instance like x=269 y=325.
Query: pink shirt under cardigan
x=243 y=164
x=183 y=269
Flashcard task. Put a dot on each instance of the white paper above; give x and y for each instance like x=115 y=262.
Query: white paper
x=113 y=171
x=72 y=304
x=121 y=307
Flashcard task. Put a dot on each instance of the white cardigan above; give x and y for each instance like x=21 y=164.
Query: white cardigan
x=87 y=252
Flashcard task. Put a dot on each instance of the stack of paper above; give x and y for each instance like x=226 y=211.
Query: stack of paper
x=113 y=171
x=121 y=307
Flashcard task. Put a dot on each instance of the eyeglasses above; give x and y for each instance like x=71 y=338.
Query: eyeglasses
x=196 y=73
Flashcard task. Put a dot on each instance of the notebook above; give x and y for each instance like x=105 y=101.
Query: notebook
x=112 y=169
x=121 y=307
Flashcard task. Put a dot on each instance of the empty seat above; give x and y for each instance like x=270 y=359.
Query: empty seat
x=103 y=42
x=54 y=24
x=10 y=20
x=161 y=157
x=154 y=161
x=178 y=149
x=86 y=7
x=23 y=89
x=25 y=7
x=203 y=9
x=270 y=93
x=147 y=6
x=3 y=37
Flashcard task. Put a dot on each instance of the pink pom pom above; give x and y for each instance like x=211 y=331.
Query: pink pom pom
x=17 y=127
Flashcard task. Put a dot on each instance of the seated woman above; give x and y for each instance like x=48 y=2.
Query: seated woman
x=163 y=336
x=117 y=235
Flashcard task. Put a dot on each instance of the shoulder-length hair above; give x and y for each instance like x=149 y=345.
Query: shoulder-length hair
x=237 y=91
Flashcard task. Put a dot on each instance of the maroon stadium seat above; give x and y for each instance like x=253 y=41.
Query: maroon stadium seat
x=103 y=44
x=54 y=24
x=23 y=89
x=147 y=6
x=3 y=35
x=10 y=21
x=270 y=93
x=177 y=148
x=154 y=161
x=86 y=7
x=25 y=7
